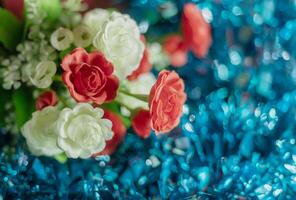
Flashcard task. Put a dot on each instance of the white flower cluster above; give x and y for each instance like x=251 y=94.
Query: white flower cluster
x=9 y=119
x=10 y=73
x=71 y=15
x=62 y=38
x=26 y=65
x=33 y=12
x=79 y=132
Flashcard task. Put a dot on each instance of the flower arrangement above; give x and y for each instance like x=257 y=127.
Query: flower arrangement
x=89 y=74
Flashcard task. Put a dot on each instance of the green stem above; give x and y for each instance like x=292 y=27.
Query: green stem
x=124 y=105
x=64 y=101
x=57 y=78
x=141 y=97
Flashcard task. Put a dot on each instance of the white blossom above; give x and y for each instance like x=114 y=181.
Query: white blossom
x=119 y=40
x=61 y=38
x=82 y=130
x=41 y=133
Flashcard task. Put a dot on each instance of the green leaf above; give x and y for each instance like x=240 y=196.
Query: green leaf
x=4 y=97
x=24 y=105
x=61 y=158
x=10 y=29
x=53 y=9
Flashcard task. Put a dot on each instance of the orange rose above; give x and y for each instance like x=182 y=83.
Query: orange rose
x=196 y=31
x=176 y=49
x=166 y=100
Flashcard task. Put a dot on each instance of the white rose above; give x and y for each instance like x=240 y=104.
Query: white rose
x=95 y=19
x=41 y=75
x=82 y=36
x=142 y=85
x=40 y=132
x=119 y=40
x=61 y=38
x=83 y=131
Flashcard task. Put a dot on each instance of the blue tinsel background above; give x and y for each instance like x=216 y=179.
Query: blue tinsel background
x=236 y=139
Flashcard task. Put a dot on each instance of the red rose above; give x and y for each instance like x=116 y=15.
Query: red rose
x=88 y=76
x=48 y=98
x=176 y=49
x=141 y=123
x=15 y=6
x=144 y=66
x=119 y=131
x=197 y=32
x=166 y=100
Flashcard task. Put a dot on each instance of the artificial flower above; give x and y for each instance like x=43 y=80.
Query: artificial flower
x=144 y=66
x=61 y=38
x=141 y=123
x=88 y=76
x=196 y=31
x=119 y=40
x=41 y=75
x=158 y=58
x=15 y=6
x=48 y=98
x=82 y=36
x=119 y=131
x=176 y=50
x=166 y=101
x=41 y=133
x=83 y=131
x=95 y=19
x=142 y=86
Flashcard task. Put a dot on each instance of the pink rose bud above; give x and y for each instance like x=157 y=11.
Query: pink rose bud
x=48 y=98
x=141 y=123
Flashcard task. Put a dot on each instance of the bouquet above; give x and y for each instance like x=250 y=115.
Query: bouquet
x=79 y=79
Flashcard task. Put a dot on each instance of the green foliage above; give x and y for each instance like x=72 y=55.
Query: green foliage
x=24 y=105
x=52 y=8
x=10 y=29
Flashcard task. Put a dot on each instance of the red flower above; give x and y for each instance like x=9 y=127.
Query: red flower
x=141 y=123
x=15 y=6
x=119 y=131
x=197 y=32
x=88 y=76
x=48 y=98
x=144 y=66
x=166 y=100
x=175 y=48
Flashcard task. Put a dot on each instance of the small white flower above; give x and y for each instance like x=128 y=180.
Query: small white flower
x=119 y=40
x=61 y=38
x=141 y=85
x=95 y=19
x=41 y=75
x=41 y=133
x=157 y=56
x=82 y=36
x=83 y=131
